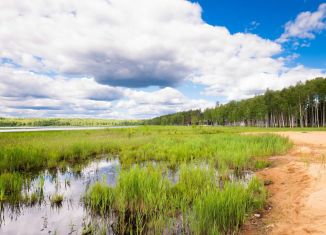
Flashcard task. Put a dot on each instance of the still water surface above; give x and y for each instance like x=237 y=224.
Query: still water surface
x=71 y=216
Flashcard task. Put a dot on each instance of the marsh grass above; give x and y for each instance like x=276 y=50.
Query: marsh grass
x=34 y=198
x=138 y=200
x=15 y=188
x=30 y=152
x=11 y=185
x=223 y=211
x=145 y=201
x=100 y=198
x=56 y=199
x=37 y=196
x=193 y=180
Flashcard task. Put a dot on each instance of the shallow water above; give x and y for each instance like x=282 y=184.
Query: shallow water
x=71 y=216
x=67 y=219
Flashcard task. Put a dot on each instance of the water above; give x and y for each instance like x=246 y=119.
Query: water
x=71 y=216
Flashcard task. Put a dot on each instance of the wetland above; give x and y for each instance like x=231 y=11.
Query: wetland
x=144 y=180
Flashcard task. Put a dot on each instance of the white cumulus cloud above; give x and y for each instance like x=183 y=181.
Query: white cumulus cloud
x=81 y=57
x=306 y=25
x=24 y=93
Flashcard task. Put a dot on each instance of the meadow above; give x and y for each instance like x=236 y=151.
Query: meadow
x=204 y=199
x=30 y=152
x=30 y=122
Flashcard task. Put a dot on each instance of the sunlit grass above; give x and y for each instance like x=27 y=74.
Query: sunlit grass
x=139 y=199
x=11 y=185
x=100 y=198
x=144 y=201
x=223 y=211
x=56 y=199
x=36 y=151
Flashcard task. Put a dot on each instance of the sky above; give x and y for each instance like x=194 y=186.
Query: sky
x=136 y=59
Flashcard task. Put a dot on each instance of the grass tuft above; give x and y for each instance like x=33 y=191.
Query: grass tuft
x=56 y=199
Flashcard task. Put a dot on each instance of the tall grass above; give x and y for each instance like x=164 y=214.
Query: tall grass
x=234 y=150
x=145 y=201
x=223 y=211
x=100 y=198
x=193 y=180
x=175 y=145
x=11 y=185
x=139 y=199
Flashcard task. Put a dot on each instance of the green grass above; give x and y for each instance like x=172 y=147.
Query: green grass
x=100 y=198
x=15 y=188
x=193 y=180
x=145 y=201
x=56 y=199
x=139 y=199
x=21 y=122
x=234 y=150
x=11 y=185
x=30 y=152
x=223 y=211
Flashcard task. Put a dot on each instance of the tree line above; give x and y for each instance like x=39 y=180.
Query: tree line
x=302 y=105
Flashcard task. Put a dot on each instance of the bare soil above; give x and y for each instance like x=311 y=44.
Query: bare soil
x=297 y=192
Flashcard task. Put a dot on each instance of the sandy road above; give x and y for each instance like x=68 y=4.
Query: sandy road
x=297 y=202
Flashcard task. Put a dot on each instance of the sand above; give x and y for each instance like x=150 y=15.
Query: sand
x=297 y=196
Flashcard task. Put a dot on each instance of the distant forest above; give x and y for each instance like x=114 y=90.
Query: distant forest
x=12 y=122
x=302 y=105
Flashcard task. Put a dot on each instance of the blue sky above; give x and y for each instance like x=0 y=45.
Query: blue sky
x=238 y=16
x=266 y=19
x=140 y=59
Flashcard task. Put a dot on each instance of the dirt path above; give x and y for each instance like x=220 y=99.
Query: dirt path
x=297 y=203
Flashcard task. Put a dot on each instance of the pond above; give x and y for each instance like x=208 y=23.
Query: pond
x=69 y=216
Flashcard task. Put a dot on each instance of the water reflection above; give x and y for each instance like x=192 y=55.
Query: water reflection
x=52 y=201
x=66 y=217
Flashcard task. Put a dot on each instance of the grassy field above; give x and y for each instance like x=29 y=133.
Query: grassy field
x=27 y=122
x=224 y=147
x=145 y=200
